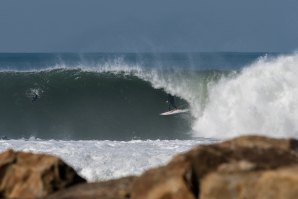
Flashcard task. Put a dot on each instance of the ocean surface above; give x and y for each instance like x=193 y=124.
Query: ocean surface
x=100 y=112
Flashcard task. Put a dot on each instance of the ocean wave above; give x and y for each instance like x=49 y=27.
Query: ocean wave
x=77 y=104
x=117 y=99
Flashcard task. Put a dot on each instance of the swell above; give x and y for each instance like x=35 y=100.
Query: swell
x=76 y=104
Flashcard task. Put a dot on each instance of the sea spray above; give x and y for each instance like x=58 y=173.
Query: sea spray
x=261 y=99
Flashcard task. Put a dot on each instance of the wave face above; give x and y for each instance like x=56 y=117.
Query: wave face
x=73 y=104
x=261 y=99
x=120 y=96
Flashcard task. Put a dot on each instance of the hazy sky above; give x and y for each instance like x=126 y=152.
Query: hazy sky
x=152 y=25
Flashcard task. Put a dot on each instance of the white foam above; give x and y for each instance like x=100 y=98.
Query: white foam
x=262 y=99
x=101 y=160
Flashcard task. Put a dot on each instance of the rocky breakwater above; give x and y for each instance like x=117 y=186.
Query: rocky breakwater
x=249 y=167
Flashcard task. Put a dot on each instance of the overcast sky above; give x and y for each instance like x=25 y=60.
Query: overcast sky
x=148 y=26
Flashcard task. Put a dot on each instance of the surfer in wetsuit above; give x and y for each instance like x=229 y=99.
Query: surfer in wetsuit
x=171 y=101
x=35 y=97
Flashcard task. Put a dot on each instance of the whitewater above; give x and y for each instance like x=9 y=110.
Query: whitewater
x=261 y=99
x=79 y=114
x=103 y=160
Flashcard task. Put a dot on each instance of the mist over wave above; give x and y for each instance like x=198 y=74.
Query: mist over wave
x=261 y=99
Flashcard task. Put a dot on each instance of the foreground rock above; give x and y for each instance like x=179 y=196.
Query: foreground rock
x=113 y=189
x=27 y=175
x=186 y=176
x=269 y=184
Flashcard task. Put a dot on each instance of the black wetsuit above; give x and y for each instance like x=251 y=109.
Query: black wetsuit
x=171 y=101
x=34 y=98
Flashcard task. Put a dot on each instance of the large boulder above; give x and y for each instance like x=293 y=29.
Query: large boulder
x=174 y=181
x=182 y=177
x=27 y=175
x=112 y=189
x=245 y=183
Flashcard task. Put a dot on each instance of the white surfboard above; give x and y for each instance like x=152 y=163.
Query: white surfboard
x=175 y=111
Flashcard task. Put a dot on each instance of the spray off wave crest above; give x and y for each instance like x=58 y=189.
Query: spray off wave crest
x=261 y=99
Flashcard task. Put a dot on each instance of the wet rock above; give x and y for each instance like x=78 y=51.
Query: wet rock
x=27 y=175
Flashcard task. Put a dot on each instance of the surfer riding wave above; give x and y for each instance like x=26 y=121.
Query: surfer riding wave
x=171 y=102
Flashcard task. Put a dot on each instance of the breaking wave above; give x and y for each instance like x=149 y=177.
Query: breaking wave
x=261 y=99
x=121 y=101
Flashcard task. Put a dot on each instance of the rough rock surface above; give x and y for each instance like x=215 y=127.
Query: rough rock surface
x=182 y=177
x=269 y=184
x=173 y=181
x=27 y=175
x=112 y=189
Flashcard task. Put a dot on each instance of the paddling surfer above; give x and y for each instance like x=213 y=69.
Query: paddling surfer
x=171 y=102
